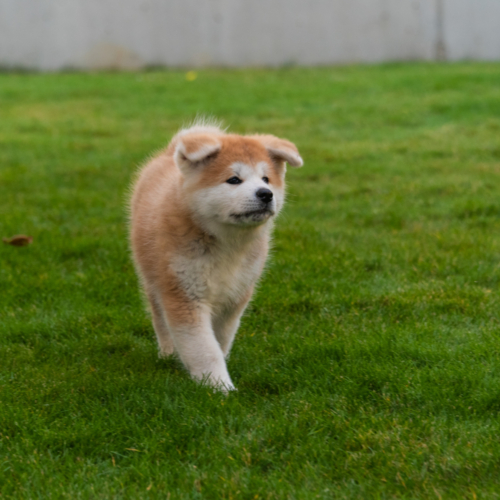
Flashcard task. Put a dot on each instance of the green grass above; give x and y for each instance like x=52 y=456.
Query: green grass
x=368 y=365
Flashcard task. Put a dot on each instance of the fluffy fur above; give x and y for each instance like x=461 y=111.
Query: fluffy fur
x=200 y=242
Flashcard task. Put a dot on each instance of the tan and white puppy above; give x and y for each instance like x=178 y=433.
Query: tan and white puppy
x=201 y=218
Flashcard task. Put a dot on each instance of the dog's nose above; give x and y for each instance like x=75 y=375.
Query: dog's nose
x=264 y=194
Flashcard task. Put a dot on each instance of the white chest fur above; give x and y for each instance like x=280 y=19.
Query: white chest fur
x=223 y=274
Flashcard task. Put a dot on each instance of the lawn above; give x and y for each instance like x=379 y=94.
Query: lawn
x=368 y=364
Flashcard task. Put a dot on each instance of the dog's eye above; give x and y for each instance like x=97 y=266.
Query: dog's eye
x=266 y=179
x=234 y=180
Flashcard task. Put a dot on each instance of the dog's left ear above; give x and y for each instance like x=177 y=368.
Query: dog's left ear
x=281 y=150
x=192 y=149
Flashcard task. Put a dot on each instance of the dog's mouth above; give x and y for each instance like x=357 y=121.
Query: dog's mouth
x=255 y=215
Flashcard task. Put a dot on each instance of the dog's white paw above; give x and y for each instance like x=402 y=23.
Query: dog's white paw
x=165 y=353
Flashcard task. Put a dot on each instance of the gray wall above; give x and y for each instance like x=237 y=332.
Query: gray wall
x=87 y=34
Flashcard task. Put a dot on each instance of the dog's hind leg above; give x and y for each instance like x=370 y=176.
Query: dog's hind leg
x=227 y=322
x=165 y=342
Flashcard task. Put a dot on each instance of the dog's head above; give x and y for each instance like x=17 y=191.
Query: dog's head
x=233 y=179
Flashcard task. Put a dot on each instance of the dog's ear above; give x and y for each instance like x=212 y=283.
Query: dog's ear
x=281 y=150
x=194 y=149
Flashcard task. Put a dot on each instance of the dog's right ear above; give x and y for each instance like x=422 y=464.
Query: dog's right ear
x=280 y=150
x=193 y=150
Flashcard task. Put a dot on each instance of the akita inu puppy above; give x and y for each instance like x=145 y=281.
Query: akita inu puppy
x=201 y=219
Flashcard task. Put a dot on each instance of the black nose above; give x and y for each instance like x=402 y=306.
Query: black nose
x=264 y=194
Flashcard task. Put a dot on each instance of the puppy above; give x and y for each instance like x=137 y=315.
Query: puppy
x=202 y=213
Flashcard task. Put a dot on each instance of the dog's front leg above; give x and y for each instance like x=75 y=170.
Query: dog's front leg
x=198 y=348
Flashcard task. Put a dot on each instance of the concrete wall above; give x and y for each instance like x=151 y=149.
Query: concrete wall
x=471 y=29
x=88 y=34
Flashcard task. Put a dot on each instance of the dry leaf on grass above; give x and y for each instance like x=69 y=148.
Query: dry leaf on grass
x=19 y=240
